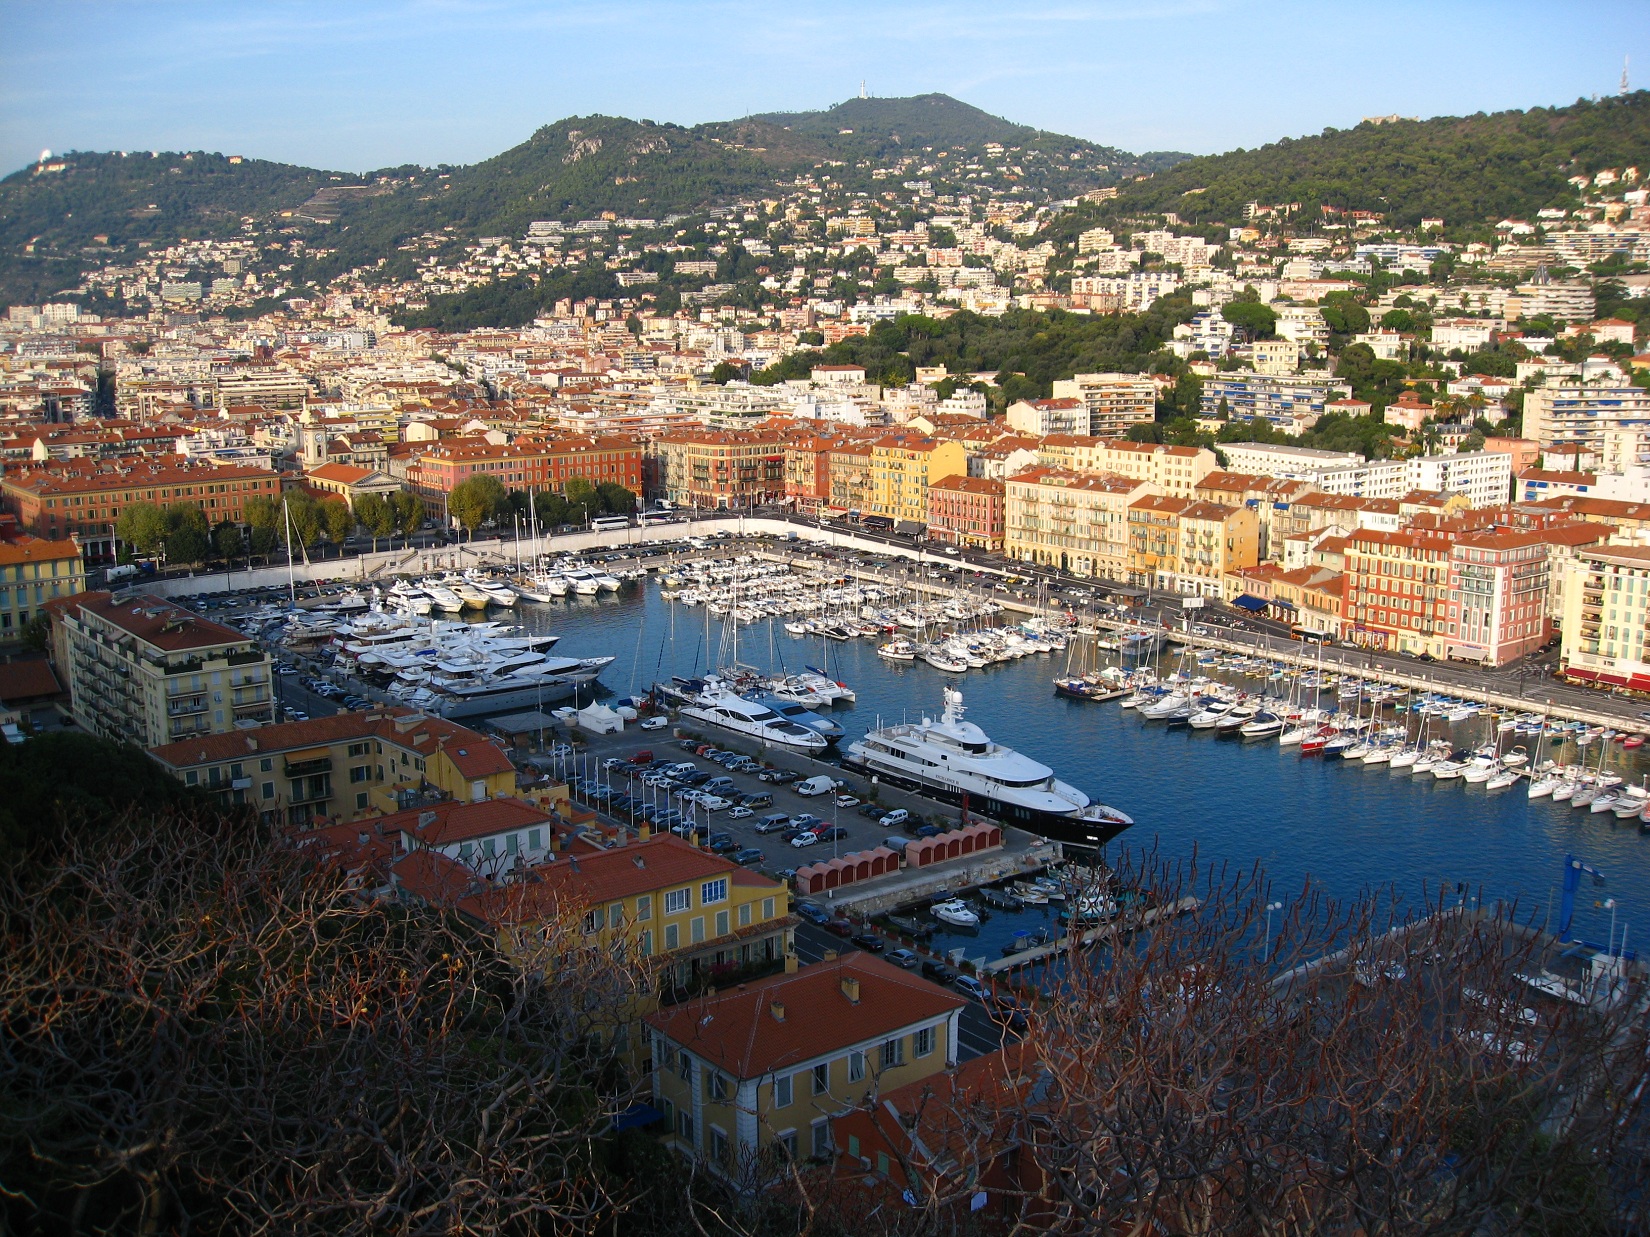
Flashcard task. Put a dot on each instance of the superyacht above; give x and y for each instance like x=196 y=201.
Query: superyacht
x=954 y=761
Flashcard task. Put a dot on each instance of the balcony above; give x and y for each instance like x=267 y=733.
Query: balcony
x=186 y=708
x=308 y=768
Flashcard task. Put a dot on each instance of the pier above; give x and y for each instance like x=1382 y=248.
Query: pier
x=1090 y=937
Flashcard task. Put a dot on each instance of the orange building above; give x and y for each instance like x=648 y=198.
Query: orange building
x=531 y=464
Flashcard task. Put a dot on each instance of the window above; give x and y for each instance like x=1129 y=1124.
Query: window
x=593 y=920
x=644 y=907
x=853 y=1146
x=678 y=900
x=721 y=923
x=191 y=778
x=787 y=1142
x=882 y=1163
x=684 y=1067
x=767 y=908
x=647 y=943
x=718 y=1145
x=822 y=1139
x=361 y=801
x=782 y=1094
x=268 y=790
x=713 y=891
x=696 y=929
x=358 y=773
x=684 y=1124
x=672 y=936
x=924 y=1042
x=535 y=839
x=744 y=914
x=716 y=1087
x=822 y=1078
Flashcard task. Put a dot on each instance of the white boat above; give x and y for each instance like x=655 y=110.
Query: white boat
x=954 y=761
x=1502 y=779
x=719 y=706
x=443 y=598
x=940 y=659
x=898 y=650
x=1445 y=770
x=1405 y=759
x=955 y=912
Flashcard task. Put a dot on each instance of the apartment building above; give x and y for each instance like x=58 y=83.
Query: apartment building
x=967 y=511
x=719 y=468
x=1292 y=402
x=344 y=767
x=1607 y=617
x=1078 y=522
x=852 y=488
x=1154 y=541
x=149 y=672
x=1274 y=460
x=1580 y=414
x=1484 y=477
x=1048 y=416
x=32 y=572
x=1214 y=540
x=901 y=468
x=1397 y=590
x=756 y=1075
x=531 y=464
x=1113 y=402
x=83 y=499
x=1173 y=471
x=1497 y=608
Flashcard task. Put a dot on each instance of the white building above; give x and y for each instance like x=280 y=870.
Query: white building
x=1581 y=413
x=1485 y=477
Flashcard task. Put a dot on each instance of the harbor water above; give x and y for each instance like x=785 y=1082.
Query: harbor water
x=1348 y=828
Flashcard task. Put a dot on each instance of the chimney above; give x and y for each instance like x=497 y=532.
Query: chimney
x=850 y=989
x=790 y=964
x=778 y=1011
x=828 y=956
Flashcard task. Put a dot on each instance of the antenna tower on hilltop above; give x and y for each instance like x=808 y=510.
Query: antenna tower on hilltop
x=863 y=95
x=1624 y=75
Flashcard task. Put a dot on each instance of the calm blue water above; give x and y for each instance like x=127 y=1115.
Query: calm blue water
x=1348 y=828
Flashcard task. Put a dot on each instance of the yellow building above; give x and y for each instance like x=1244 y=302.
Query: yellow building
x=1607 y=617
x=902 y=465
x=1214 y=540
x=148 y=671
x=751 y=1078
x=1078 y=522
x=342 y=767
x=702 y=914
x=33 y=571
x=1154 y=540
x=1172 y=471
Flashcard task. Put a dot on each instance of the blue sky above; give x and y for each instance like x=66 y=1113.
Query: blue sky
x=358 y=84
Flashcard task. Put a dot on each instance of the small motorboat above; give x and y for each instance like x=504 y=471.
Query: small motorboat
x=955 y=912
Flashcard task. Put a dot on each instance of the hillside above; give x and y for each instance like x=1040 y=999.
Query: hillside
x=90 y=207
x=1464 y=169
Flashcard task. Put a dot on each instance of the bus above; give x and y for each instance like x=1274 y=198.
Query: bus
x=660 y=517
x=609 y=523
x=1307 y=635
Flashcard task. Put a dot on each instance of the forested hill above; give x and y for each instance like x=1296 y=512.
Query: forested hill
x=1466 y=170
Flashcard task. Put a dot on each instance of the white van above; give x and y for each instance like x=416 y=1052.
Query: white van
x=817 y=785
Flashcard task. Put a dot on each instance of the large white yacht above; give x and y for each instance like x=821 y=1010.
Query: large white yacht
x=956 y=762
x=719 y=706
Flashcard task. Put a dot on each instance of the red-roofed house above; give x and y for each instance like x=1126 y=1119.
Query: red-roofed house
x=350 y=482
x=773 y=1063
x=966 y=511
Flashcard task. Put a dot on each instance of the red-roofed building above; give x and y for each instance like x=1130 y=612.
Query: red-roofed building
x=351 y=482
x=966 y=511
x=32 y=572
x=775 y=1062
x=346 y=766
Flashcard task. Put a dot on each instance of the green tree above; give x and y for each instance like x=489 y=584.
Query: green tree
x=615 y=499
x=1398 y=320
x=262 y=540
x=474 y=500
x=303 y=517
x=582 y=500
x=338 y=519
x=409 y=512
x=1255 y=320
x=726 y=371
x=551 y=509
x=1343 y=315
x=228 y=542
x=142 y=526
x=187 y=544
x=376 y=516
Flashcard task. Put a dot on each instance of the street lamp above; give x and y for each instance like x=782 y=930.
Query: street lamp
x=1610 y=905
x=1266 y=946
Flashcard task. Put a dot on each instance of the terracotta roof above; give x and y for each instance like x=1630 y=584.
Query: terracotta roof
x=969 y=485
x=463 y=822
x=35 y=550
x=1208 y=511
x=27 y=680
x=473 y=754
x=662 y=862
x=163 y=624
x=744 y=1034
x=344 y=474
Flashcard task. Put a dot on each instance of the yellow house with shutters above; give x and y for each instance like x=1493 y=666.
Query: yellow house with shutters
x=903 y=465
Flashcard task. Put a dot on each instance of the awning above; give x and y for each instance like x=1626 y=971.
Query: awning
x=1576 y=672
x=1464 y=653
x=1248 y=601
x=1281 y=603
x=1613 y=680
x=1639 y=682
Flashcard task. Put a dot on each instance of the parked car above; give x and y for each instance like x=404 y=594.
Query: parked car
x=641 y=758
x=688 y=745
x=846 y=801
x=819 y=784
x=759 y=799
x=929 y=831
x=870 y=942
x=773 y=823
x=712 y=803
x=721 y=843
x=904 y=958
x=805 y=838
x=813 y=913
x=969 y=986
x=749 y=855
x=805 y=820
x=835 y=833
x=614 y=762
x=895 y=818
x=839 y=927
x=933 y=968
x=740 y=811
x=872 y=811
x=779 y=776
x=655 y=723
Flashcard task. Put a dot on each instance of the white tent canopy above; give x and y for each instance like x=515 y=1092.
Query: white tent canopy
x=599 y=719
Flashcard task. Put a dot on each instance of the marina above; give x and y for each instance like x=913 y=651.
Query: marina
x=1348 y=825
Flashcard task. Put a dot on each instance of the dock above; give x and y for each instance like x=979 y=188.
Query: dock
x=1093 y=936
